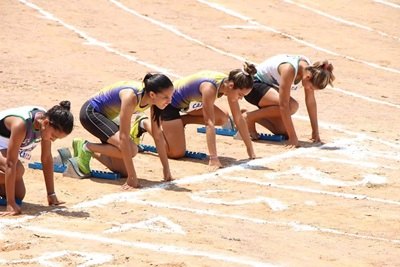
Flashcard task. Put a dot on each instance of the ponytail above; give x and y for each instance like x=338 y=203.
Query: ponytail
x=243 y=78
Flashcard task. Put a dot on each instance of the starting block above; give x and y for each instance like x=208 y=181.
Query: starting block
x=188 y=154
x=230 y=132
x=219 y=131
x=72 y=170
x=272 y=137
x=65 y=154
x=56 y=167
x=69 y=167
x=3 y=201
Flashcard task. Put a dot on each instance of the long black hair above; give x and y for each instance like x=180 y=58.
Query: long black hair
x=60 y=117
x=156 y=83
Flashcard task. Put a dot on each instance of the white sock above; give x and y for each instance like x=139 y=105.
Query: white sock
x=85 y=148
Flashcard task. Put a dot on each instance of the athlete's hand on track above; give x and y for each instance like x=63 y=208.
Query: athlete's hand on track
x=130 y=184
x=11 y=210
x=53 y=200
x=214 y=163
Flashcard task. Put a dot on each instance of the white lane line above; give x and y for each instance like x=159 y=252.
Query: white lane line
x=294 y=38
x=324 y=179
x=273 y=203
x=175 y=250
x=294 y=225
x=158 y=224
x=387 y=3
x=313 y=191
x=52 y=259
x=360 y=136
x=341 y=20
x=126 y=196
x=94 y=41
x=369 y=99
x=174 y=30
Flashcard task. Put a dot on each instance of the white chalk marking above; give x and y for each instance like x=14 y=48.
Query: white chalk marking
x=149 y=246
x=157 y=224
x=387 y=3
x=274 y=204
x=46 y=260
x=356 y=163
x=4 y=222
x=313 y=191
x=294 y=38
x=293 y=225
x=360 y=137
x=341 y=20
x=122 y=197
x=92 y=41
x=172 y=29
x=312 y=174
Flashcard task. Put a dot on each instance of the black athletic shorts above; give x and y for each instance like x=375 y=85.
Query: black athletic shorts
x=170 y=113
x=258 y=91
x=96 y=123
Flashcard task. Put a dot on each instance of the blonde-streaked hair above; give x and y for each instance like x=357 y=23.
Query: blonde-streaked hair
x=322 y=75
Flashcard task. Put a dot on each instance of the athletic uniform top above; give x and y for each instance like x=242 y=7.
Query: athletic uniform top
x=32 y=136
x=108 y=102
x=187 y=89
x=267 y=71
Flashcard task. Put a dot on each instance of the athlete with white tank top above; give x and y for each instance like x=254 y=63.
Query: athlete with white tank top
x=275 y=79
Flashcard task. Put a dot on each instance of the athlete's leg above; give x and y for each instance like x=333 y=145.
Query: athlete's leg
x=174 y=134
x=196 y=117
x=20 y=189
x=114 y=164
x=269 y=115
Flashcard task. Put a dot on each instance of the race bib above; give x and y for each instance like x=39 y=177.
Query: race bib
x=194 y=106
x=25 y=152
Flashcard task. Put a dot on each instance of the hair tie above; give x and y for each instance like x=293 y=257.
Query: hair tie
x=245 y=72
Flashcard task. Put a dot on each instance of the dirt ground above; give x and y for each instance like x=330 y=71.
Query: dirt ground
x=332 y=205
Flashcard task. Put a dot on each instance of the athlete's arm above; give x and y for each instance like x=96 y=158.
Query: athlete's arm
x=48 y=173
x=241 y=126
x=287 y=73
x=160 y=145
x=128 y=104
x=209 y=94
x=17 y=128
x=311 y=104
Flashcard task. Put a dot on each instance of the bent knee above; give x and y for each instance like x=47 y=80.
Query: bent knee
x=176 y=154
x=294 y=106
x=20 y=171
x=221 y=120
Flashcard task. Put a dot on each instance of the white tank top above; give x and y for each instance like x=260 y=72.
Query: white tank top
x=32 y=137
x=267 y=71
